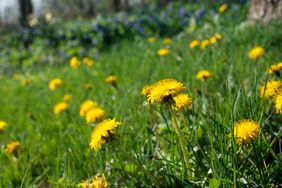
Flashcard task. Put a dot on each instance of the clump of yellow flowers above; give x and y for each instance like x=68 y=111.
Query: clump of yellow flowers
x=98 y=181
x=167 y=91
x=90 y=111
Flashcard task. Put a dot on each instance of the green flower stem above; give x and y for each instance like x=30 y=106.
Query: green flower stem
x=182 y=144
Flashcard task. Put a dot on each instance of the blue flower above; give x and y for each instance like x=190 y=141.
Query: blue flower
x=199 y=13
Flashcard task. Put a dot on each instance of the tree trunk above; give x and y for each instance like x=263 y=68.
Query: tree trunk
x=265 y=10
x=25 y=10
x=164 y=2
x=126 y=5
x=91 y=9
x=116 y=5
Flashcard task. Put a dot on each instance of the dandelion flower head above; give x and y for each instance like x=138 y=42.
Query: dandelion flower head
x=167 y=41
x=163 y=52
x=203 y=75
x=181 y=101
x=194 y=44
x=87 y=86
x=152 y=39
x=13 y=147
x=24 y=82
x=204 y=44
x=94 y=114
x=103 y=133
x=164 y=90
x=275 y=68
x=60 y=107
x=67 y=98
x=278 y=102
x=87 y=61
x=256 y=52
x=3 y=125
x=270 y=88
x=223 y=8
x=111 y=80
x=146 y=90
x=218 y=36
x=245 y=131
x=213 y=40
x=55 y=83
x=86 y=106
x=74 y=62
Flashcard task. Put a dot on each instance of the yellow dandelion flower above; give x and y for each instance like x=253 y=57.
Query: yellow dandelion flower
x=86 y=106
x=275 y=68
x=103 y=133
x=270 y=88
x=278 y=102
x=3 y=126
x=13 y=147
x=67 y=98
x=218 y=36
x=152 y=39
x=204 y=44
x=164 y=90
x=256 y=52
x=146 y=90
x=24 y=82
x=87 y=61
x=223 y=8
x=97 y=181
x=194 y=44
x=167 y=41
x=55 y=83
x=94 y=114
x=111 y=80
x=163 y=52
x=60 y=107
x=181 y=101
x=16 y=77
x=203 y=75
x=87 y=86
x=245 y=131
x=74 y=62
x=213 y=40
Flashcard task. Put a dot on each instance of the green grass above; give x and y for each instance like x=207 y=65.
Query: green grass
x=55 y=150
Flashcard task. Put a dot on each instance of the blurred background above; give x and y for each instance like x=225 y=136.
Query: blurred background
x=73 y=27
x=19 y=11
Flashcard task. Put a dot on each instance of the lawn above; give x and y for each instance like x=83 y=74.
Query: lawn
x=156 y=144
